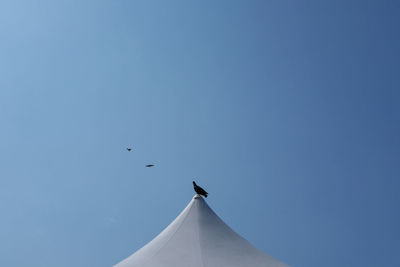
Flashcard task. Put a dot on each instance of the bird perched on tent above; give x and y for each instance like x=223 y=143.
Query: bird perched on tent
x=199 y=190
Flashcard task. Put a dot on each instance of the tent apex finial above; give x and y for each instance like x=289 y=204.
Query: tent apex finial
x=196 y=196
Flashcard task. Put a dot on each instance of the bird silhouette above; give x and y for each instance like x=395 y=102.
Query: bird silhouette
x=149 y=165
x=129 y=149
x=199 y=190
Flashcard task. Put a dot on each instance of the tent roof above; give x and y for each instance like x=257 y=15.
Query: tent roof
x=199 y=238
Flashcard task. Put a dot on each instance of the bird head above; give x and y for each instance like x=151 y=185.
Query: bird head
x=194 y=183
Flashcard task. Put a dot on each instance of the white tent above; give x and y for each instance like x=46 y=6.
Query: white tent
x=199 y=238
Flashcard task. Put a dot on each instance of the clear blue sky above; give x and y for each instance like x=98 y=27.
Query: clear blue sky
x=287 y=112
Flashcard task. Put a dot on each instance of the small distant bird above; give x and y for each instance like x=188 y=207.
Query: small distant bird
x=199 y=190
x=149 y=165
x=128 y=148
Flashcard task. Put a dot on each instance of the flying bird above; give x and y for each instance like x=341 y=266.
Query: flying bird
x=199 y=190
x=149 y=165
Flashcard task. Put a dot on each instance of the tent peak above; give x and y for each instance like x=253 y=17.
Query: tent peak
x=196 y=196
x=199 y=238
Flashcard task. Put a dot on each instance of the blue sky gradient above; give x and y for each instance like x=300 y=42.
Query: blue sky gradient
x=286 y=112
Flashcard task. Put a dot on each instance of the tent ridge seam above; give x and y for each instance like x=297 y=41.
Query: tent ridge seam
x=198 y=234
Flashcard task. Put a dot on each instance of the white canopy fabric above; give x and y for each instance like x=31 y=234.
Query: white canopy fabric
x=199 y=238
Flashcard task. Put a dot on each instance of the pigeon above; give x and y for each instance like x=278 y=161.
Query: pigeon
x=129 y=149
x=199 y=190
x=149 y=165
